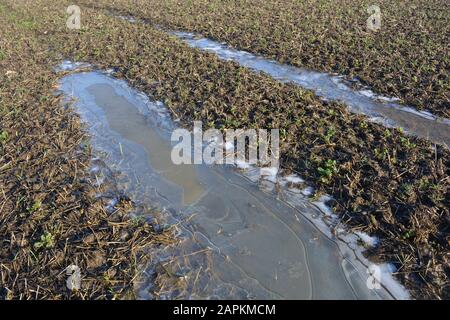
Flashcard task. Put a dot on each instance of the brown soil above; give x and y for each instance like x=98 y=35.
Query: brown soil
x=51 y=216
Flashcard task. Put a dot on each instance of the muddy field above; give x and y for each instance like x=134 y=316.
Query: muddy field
x=52 y=212
x=384 y=182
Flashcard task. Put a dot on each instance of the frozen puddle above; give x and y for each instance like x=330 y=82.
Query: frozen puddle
x=378 y=108
x=381 y=109
x=238 y=237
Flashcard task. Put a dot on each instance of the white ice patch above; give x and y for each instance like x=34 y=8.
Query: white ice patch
x=294 y=179
x=321 y=204
x=388 y=280
x=308 y=191
x=388 y=99
x=269 y=173
x=71 y=66
x=127 y=18
x=367 y=93
x=368 y=240
x=242 y=164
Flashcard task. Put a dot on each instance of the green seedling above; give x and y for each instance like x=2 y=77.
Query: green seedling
x=46 y=241
x=327 y=171
x=329 y=135
x=406 y=189
x=406 y=143
x=35 y=206
x=363 y=125
x=3 y=137
x=137 y=221
x=381 y=154
x=409 y=234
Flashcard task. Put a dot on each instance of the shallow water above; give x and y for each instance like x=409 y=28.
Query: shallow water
x=118 y=108
x=239 y=237
x=381 y=109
